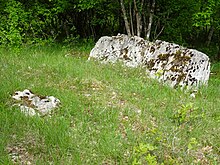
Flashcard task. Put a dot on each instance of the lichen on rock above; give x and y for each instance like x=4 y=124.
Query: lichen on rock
x=168 y=62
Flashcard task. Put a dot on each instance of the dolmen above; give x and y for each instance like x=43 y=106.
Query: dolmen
x=167 y=62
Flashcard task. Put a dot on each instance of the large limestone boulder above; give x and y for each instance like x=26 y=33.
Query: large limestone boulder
x=167 y=62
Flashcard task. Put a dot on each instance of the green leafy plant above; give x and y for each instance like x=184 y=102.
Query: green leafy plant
x=186 y=113
x=159 y=73
x=14 y=17
x=144 y=151
x=192 y=143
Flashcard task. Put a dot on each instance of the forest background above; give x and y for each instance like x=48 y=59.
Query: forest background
x=192 y=23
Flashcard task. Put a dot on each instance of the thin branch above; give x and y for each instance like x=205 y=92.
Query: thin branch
x=159 y=33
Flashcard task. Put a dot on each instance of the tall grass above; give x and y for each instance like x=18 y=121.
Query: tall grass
x=109 y=114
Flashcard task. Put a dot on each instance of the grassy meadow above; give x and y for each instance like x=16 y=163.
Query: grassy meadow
x=109 y=114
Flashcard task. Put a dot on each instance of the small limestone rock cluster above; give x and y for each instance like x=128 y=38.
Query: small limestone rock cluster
x=168 y=62
x=31 y=104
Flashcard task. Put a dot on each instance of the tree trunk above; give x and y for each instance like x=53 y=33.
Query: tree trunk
x=66 y=29
x=211 y=31
x=145 y=24
x=131 y=18
x=141 y=24
x=150 y=19
x=137 y=19
x=127 y=26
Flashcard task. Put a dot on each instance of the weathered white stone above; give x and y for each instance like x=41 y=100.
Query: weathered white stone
x=18 y=95
x=28 y=111
x=168 y=62
x=176 y=65
x=120 y=48
x=31 y=104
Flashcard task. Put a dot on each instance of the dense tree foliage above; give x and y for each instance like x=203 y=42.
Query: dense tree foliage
x=190 y=23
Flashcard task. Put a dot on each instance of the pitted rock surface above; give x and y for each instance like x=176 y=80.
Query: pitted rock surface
x=177 y=65
x=129 y=50
x=168 y=62
x=31 y=104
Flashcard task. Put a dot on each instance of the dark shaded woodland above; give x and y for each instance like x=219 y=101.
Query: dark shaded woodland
x=195 y=24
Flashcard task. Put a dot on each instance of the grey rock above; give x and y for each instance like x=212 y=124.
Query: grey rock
x=167 y=62
x=31 y=104
x=129 y=50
